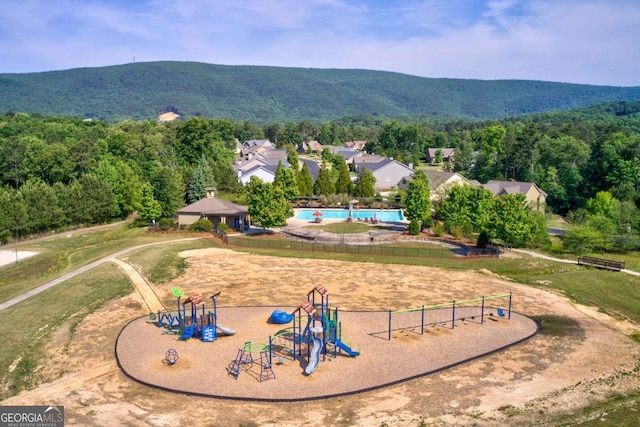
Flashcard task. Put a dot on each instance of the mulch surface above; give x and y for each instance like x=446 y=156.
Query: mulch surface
x=203 y=368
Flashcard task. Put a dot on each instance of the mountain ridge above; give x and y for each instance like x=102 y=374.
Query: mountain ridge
x=264 y=94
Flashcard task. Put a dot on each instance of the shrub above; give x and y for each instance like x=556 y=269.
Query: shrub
x=201 y=225
x=223 y=227
x=438 y=229
x=483 y=239
x=414 y=227
x=457 y=232
x=165 y=224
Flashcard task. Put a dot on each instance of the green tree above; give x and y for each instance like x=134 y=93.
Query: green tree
x=199 y=136
x=292 y=158
x=285 y=179
x=305 y=182
x=323 y=185
x=365 y=184
x=201 y=179
x=267 y=204
x=344 y=185
x=511 y=220
x=149 y=208
x=467 y=207
x=93 y=200
x=582 y=239
x=602 y=204
x=123 y=182
x=168 y=189
x=13 y=212
x=43 y=207
x=489 y=160
x=417 y=199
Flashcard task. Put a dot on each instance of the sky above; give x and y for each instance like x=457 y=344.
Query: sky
x=574 y=41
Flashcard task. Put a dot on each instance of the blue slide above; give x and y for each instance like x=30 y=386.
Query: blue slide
x=346 y=348
x=314 y=357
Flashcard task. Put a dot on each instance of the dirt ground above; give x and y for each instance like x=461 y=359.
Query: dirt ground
x=523 y=385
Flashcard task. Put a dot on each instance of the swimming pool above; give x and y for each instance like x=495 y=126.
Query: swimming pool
x=384 y=215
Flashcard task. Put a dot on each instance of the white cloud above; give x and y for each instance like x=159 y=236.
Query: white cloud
x=590 y=41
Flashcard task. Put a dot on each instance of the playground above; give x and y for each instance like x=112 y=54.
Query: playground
x=186 y=349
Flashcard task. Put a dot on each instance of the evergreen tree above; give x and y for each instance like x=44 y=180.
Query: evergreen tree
x=344 y=184
x=13 y=212
x=324 y=186
x=292 y=158
x=365 y=185
x=286 y=179
x=305 y=182
x=201 y=179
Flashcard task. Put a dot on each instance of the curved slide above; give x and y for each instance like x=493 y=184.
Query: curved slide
x=314 y=357
x=225 y=331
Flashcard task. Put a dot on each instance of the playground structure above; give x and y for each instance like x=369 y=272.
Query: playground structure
x=245 y=361
x=197 y=323
x=320 y=336
x=241 y=366
x=419 y=318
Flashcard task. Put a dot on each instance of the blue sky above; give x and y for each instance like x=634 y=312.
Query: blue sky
x=576 y=41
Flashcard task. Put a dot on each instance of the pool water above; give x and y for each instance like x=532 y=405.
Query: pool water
x=380 y=214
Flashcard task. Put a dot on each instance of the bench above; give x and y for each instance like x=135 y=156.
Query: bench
x=607 y=264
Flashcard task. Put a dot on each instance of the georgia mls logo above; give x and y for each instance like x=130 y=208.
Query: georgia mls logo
x=31 y=416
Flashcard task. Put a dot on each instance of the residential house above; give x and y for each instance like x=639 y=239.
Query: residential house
x=439 y=182
x=259 y=166
x=356 y=145
x=388 y=173
x=255 y=146
x=448 y=154
x=313 y=147
x=533 y=195
x=216 y=210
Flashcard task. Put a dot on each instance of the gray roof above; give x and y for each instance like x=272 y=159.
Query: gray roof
x=213 y=206
x=314 y=168
x=510 y=187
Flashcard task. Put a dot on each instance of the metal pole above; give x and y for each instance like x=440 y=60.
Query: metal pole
x=482 y=312
x=510 y=294
x=453 y=315
x=389 y=337
x=422 y=322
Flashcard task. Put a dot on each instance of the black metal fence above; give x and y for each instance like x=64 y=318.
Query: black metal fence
x=361 y=249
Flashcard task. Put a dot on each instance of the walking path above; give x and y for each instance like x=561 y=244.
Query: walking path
x=152 y=301
x=142 y=285
x=81 y=270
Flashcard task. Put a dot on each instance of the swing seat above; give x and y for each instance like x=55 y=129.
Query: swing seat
x=500 y=312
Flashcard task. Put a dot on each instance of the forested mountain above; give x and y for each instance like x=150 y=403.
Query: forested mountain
x=275 y=94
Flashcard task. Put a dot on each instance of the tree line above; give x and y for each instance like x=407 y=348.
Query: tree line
x=61 y=171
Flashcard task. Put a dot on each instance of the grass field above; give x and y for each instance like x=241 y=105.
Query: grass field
x=30 y=324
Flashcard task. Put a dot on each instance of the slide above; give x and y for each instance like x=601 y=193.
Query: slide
x=189 y=331
x=314 y=358
x=346 y=348
x=225 y=331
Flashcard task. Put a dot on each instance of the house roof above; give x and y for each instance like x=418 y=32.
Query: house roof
x=314 y=168
x=368 y=160
x=511 y=187
x=213 y=206
x=446 y=152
